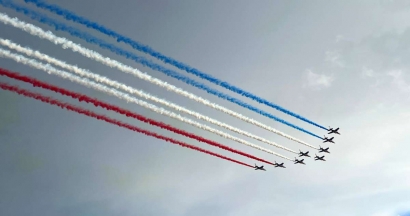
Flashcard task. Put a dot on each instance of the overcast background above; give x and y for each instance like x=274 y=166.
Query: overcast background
x=339 y=63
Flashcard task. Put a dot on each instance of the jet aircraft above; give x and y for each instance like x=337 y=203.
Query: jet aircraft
x=336 y=131
x=320 y=158
x=279 y=165
x=326 y=150
x=299 y=161
x=259 y=168
x=328 y=140
x=301 y=154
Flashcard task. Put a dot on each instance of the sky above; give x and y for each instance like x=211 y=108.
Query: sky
x=339 y=63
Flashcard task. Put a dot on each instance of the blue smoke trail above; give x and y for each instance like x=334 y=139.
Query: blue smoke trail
x=91 y=39
x=148 y=50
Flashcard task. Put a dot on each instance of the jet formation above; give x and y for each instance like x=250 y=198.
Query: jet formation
x=279 y=165
x=301 y=154
x=306 y=154
x=259 y=168
x=326 y=150
x=299 y=161
x=320 y=158
x=328 y=140
x=336 y=131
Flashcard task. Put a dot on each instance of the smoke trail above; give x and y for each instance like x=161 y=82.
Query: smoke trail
x=148 y=50
x=34 y=30
x=83 y=81
x=115 y=84
x=89 y=113
x=98 y=103
x=91 y=39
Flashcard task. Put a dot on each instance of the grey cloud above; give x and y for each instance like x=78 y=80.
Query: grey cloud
x=318 y=81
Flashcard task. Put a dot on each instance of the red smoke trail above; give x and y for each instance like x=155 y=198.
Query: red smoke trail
x=89 y=113
x=128 y=113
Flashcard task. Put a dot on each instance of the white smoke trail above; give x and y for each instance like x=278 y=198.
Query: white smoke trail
x=84 y=81
x=34 y=30
x=115 y=84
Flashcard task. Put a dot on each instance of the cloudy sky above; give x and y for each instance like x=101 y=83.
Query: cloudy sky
x=338 y=63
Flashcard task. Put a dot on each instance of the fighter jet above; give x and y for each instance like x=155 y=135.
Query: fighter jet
x=326 y=150
x=320 y=158
x=333 y=130
x=279 y=165
x=328 y=140
x=259 y=168
x=299 y=161
x=301 y=154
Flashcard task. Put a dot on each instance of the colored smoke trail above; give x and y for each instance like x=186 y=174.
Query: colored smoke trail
x=91 y=39
x=115 y=84
x=89 y=113
x=148 y=50
x=98 y=103
x=90 y=84
x=34 y=30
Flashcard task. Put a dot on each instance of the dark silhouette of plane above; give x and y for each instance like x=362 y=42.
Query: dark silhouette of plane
x=326 y=150
x=328 y=140
x=320 y=158
x=336 y=131
x=301 y=154
x=259 y=168
x=279 y=165
x=299 y=161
